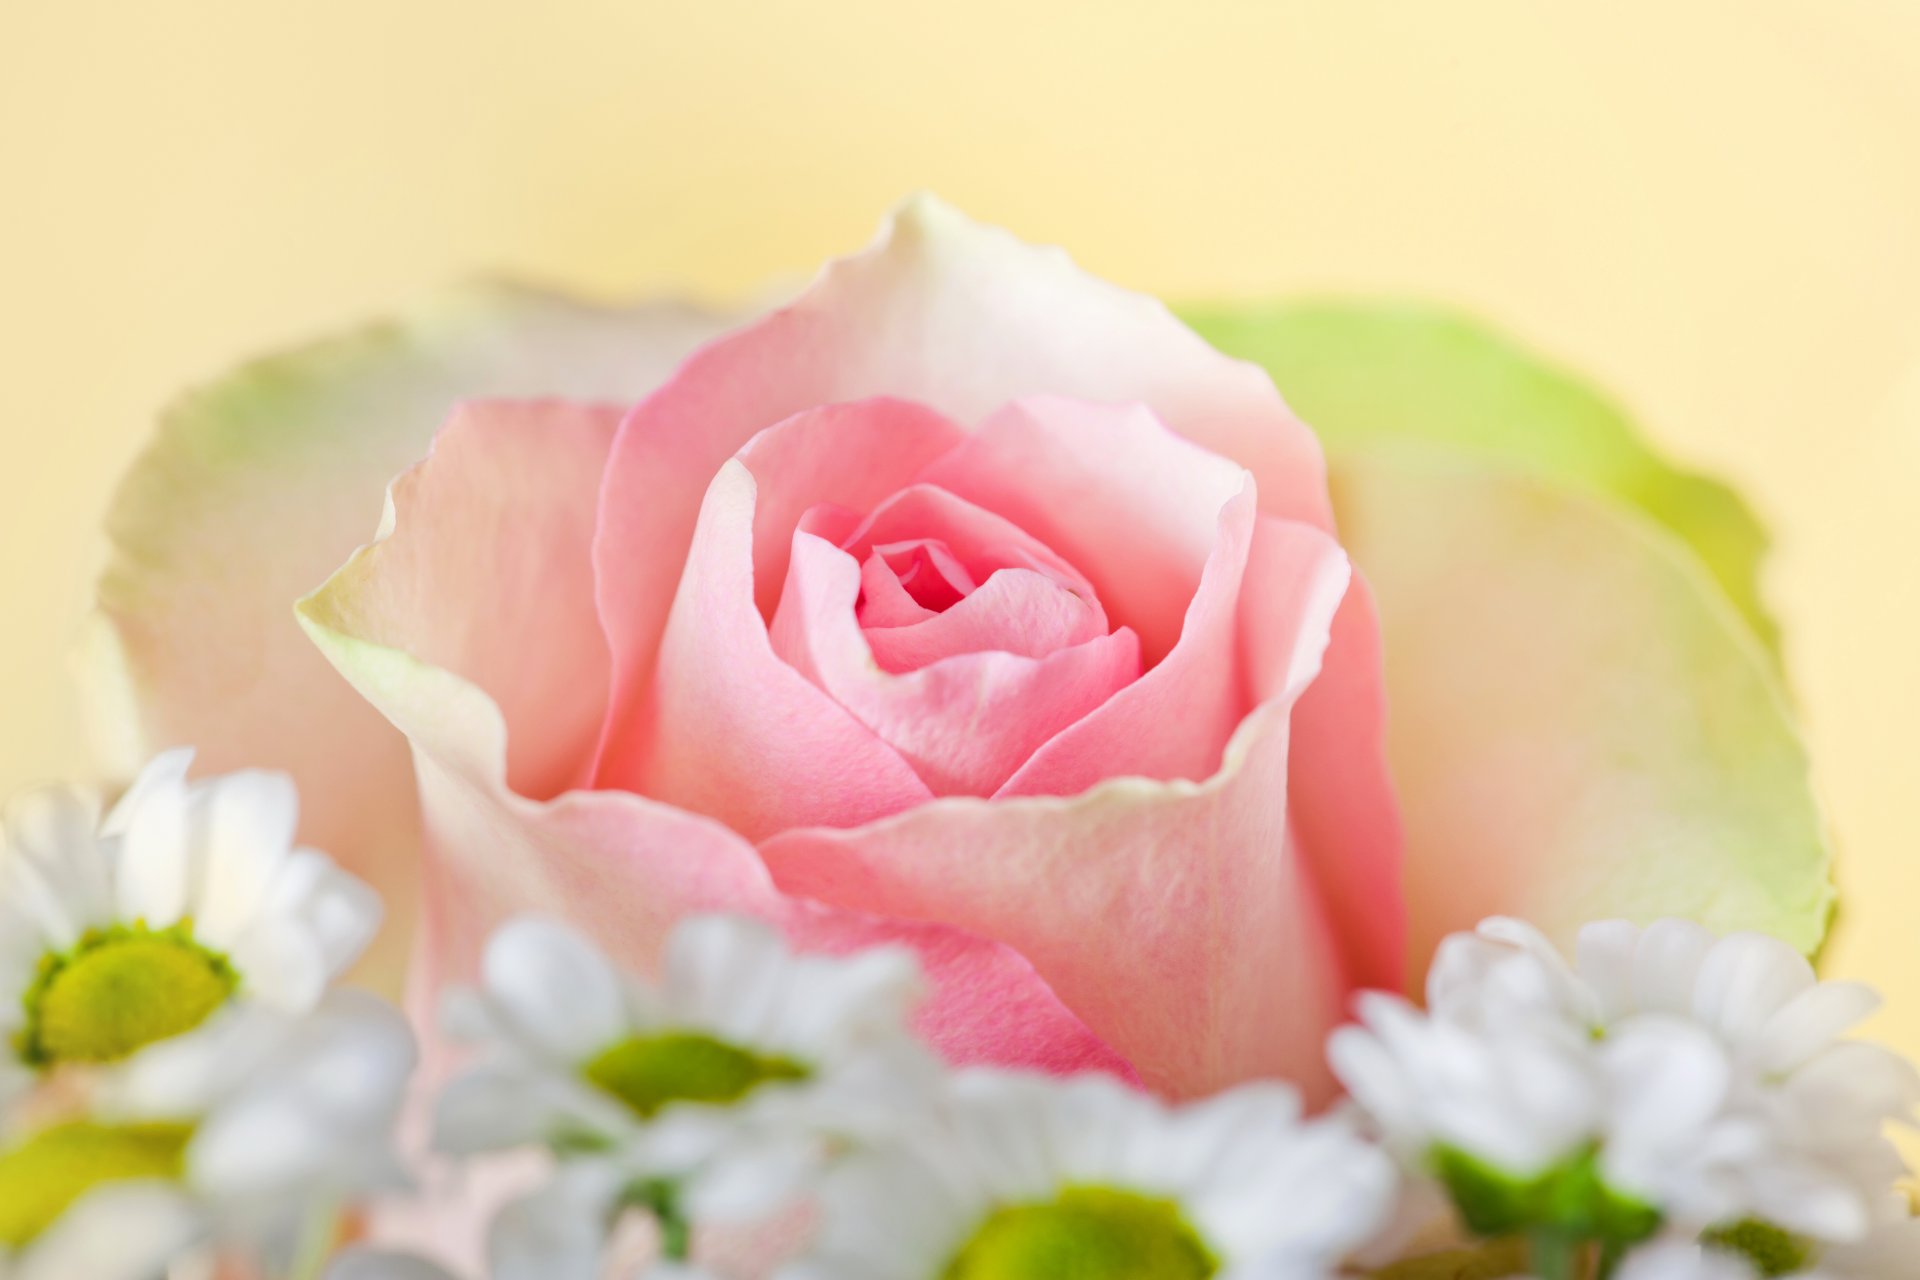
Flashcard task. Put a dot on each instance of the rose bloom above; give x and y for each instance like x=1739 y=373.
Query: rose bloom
x=967 y=602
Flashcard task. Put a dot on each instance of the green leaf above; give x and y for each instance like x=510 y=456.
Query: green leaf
x=1364 y=374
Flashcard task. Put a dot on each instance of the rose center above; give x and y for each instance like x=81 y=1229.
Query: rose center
x=43 y=1176
x=930 y=574
x=1085 y=1233
x=121 y=990
x=648 y=1072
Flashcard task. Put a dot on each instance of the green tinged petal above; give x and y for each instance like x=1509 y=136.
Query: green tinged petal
x=1370 y=374
x=259 y=486
x=1586 y=714
x=1580 y=726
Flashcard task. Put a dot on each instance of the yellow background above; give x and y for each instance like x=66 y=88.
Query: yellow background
x=1713 y=208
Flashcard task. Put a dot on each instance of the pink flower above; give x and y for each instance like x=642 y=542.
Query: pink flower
x=972 y=603
x=967 y=602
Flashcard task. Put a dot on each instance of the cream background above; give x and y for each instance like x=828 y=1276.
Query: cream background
x=1712 y=208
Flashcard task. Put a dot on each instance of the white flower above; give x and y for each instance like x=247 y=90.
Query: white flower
x=1497 y=1108
x=1683 y=1260
x=1889 y=1251
x=115 y=935
x=1821 y=1101
x=1029 y=1178
x=236 y=1136
x=381 y=1264
x=371 y=1264
x=721 y=1088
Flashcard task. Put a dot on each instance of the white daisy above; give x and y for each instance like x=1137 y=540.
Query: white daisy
x=1030 y=1178
x=381 y=1264
x=1519 y=1121
x=1889 y=1251
x=374 y=1264
x=115 y=935
x=239 y=1136
x=1823 y=1101
x=712 y=1095
x=1683 y=1260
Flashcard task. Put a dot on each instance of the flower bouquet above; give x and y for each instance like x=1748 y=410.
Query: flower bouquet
x=952 y=777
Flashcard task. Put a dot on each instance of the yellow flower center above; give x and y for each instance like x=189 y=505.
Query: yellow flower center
x=1085 y=1233
x=120 y=990
x=648 y=1072
x=42 y=1177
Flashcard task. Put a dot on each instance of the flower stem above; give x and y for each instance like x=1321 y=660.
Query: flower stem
x=317 y=1238
x=1556 y=1254
x=662 y=1200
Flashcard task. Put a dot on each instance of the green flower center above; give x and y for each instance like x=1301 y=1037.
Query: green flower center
x=43 y=1176
x=1772 y=1251
x=120 y=990
x=648 y=1072
x=1085 y=1233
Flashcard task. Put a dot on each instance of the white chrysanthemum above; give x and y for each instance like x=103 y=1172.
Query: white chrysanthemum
x=1494 y=1109
x=373 y=1264
x=1683 y=1260
x=1822 y=1101
x=233 y=1137
x=115 y=935
x=1029 y=1178
x=380 y=1264
x=1889 y=1251
x=719 y=1087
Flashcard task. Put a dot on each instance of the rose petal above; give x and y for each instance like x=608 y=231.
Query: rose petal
x=852 y=456
x=1177 y=919
x=1372 y=373
x=506 y=501
x=1016 y=611
x=621 y=868
x=959 y=317
x=885 y=603
x=417 y=642
x=980 y=539
x=730 y=730
x=1581 y=727
x=1161 y=528
x=1341 y=806
x=966 y=721
x=259 y=486
x=1185 y=922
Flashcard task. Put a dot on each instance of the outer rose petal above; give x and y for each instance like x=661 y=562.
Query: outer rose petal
x=1581 y=726
x=960 y=317
x=1181 y=920
x=455 y=667
x=1367 y=373
x=259 y=486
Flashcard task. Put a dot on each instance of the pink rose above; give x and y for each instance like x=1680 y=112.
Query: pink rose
x=966 y=602
x=972 y=603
